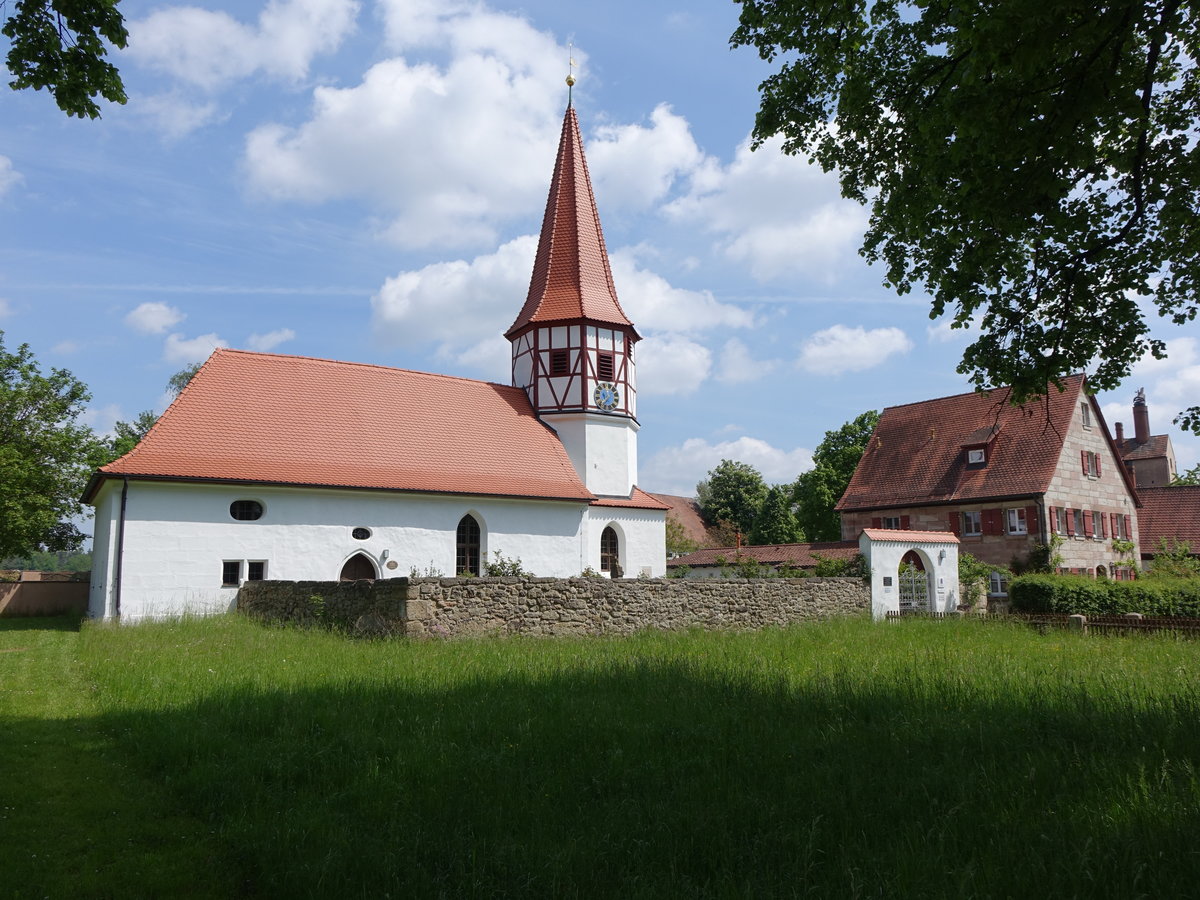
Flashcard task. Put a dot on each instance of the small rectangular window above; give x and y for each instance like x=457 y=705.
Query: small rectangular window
x=1085 y=412
x=976 y=457
x=231 y=573
x=1016 y=522
x=972 y=523
x=559 y=362
x=256 y=570
x=604 y=366
x=892 y=522
x=1078 y=521
x=997 y=585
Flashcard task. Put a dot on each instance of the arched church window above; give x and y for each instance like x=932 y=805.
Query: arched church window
x=358 y=568
x=610 y=552
x=467 y=547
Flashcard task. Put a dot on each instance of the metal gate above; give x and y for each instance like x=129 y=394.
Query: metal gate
x=914 y=589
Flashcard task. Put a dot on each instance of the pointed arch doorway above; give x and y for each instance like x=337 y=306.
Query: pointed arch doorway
x=914 y=583
x=357 y=568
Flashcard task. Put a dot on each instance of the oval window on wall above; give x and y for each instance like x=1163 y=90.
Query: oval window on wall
x=360 y=534
x=246 y=510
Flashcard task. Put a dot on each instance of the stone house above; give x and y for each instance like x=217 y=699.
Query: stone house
x=1005 y=479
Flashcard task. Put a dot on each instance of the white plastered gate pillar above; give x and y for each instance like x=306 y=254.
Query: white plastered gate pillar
x=883 y=549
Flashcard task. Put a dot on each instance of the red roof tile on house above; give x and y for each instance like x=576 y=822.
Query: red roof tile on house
x=798 y=556
x=1153 y=448
x=686 y=511
x=1170 y=513
x=639 y=499
x=915 y=455
x=258 y=417
x=895 y=534
x=571 y=275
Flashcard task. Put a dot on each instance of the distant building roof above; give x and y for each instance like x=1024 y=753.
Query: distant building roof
x=1153 y=448
x=686 y=510
x=798 y=556
x=259 y=417
x=915 y=455
x=1170 y=513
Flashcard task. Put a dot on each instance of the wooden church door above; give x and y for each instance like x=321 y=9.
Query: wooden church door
x=358 y=567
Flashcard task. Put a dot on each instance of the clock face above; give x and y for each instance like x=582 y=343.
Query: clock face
x=606 y=395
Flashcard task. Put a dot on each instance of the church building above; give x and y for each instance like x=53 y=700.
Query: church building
x=291 y=468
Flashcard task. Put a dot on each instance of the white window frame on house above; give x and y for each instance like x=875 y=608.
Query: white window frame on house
x=1015 y=519
x=1093 y=465
x=226 y=564
x=997 y=584
x=256 y=570
x=976 y=457
x=972 y=523
x=1060 y=520
x=1099 y=525
x=1078 y=517
x=1086 y=413
x=892 y=523
x=1120 y=535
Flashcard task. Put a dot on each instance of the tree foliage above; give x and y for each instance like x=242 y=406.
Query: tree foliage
x=818 y=490
x=61 y=45
x=1033 y=165
x=734 y=491
x=177 y=382
x=678 y=541
x=1191 y=476
x=775 y=523
x=45 y=455
x=127 y=435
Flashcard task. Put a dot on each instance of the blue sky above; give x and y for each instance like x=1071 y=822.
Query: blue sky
x=364 y=181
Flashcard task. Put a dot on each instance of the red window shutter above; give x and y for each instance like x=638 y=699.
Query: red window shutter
x=905 y=521
x=1069 y=515
x=1088 y=529
x=1112 y=518
x=956 y=522
x=1083 y=460
x=876 y=522
x=1051 y=521
x=1128 y=529
x=1097 y=465
x=1031 y=520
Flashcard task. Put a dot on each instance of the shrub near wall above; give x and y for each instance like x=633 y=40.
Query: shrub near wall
x=1073 y=594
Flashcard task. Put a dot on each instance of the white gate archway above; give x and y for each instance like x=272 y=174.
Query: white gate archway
x=887 y=551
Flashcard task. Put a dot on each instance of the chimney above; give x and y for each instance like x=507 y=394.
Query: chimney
x=1141 y=417
x=1120 y=433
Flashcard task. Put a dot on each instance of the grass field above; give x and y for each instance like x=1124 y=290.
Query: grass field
x=846 y=759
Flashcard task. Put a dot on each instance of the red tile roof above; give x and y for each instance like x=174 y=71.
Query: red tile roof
x=798 y=556
x=1172 y=513
x=687 y=512
x=1152 y=448
x=571 y=276
x=896 y=534
x=639 y=499
x=258 y=417
x=915 y=456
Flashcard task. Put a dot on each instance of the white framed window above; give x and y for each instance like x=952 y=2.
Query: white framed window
x=1060 y=521
x=1085 y=413
x=1016 y=521
x=256 y=570
x=997 y=585
x=891 y=522
x=231 y=572
x=1099 y=525
x=972 y=522
x=1091 y=464
x=976 y=457
x=1078 y=521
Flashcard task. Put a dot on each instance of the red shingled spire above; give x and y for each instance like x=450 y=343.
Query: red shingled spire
x=571 y=276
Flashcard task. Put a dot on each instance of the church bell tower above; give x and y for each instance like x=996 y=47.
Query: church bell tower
x=572 y=344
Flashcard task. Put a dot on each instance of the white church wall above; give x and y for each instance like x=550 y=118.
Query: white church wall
x=641 y=545
x=177 y=536
x=603 y=450
x=104 y=550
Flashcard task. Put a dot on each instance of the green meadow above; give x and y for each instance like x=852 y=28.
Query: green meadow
x=221 y=758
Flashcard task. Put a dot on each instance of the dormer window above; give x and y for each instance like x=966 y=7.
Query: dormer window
x=977 y=456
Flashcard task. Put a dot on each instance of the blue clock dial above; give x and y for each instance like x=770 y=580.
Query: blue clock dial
x=606 y=395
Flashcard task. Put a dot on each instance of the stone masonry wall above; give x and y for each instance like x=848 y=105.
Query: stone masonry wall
x=452 y=607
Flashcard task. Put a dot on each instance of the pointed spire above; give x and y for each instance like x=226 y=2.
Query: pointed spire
x=571 y=275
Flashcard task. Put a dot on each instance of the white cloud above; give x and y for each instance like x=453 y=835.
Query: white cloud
x=5 y=308
x=778 y=214
x=175 y=116
x=65 y=348
x=184 y=351
x=269 y=341
x=407 y=139
x=840 y=349
x=210 y=49
x=678 y=469
x=670 y=364
x=154 y=318
x=9 y=177
x=943 y=332
x=738 y=365
x=652 y=303
x=102 y=419
x=635 y=166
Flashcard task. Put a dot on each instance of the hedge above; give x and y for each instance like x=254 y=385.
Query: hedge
x=1073 y=594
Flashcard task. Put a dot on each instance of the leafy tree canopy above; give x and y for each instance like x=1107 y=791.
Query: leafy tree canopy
x=61 y=45
x=127 y=434
x=734 y=491
x=776 y=524
x=45 y=456
x=177 y=382
x=818 y=490
x=678 y=542
x=1032 y=165
x=1191 y=476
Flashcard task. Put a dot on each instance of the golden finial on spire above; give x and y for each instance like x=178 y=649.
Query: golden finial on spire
x=570 y=70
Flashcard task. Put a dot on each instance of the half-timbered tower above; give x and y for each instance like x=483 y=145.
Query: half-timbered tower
x=572 y=344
